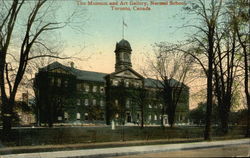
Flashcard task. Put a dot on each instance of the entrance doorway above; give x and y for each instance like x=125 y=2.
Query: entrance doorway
x=165 y=120
x=129 y=118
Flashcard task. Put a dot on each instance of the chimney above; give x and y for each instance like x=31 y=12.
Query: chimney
x=72 y=64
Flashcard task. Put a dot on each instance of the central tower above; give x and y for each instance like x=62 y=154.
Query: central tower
x=123 y=55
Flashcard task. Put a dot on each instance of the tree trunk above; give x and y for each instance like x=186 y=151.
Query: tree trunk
x=171 y=120
x=142 y=116
x=51 y=115
x=246 y=57
x=224 y=116
x=207 y=132
x=248 y=117
x=7 y=112
x=171 y=116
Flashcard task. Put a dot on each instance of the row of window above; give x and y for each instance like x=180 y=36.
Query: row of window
x=128 y=103
x=78 y=116
x=88 y=101
x=150 y=106
x=86 y=117
x=58 y=82
x=155 y=117
x=126 y=83
x=179 y=118
x=86 y=87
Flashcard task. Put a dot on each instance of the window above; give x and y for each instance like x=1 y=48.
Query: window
x=86 y=87
x=149 y=118
x=102 y=116
x=78 y=102
x=94 y=101
x=78 y=116
x=86 y=116
x=52 y=81
x=180 y=117
x=155 y=117
x=101 y=103
x=59 y=82
x=127 y=103
x=138 y=116
x=160 y=117
x=66 y=83
x=161 y=106
x=126 y=84
x=116 y=102
x=102 y=89
x=66 y=116
x=86 y=102
x=94 y=88
x=78 y=87
x=149 y=106
x=121 y=56
x=59 y=118
x=136 y=84
x=115 y=83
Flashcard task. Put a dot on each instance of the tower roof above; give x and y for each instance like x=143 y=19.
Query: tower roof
x=123 y=45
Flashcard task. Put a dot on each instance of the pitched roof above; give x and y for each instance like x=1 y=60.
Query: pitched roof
x=80 y=74
x=149 y=82
x=100 y=77
x=129 y=69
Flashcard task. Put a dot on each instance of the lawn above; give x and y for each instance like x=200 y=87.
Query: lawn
x=73 y=135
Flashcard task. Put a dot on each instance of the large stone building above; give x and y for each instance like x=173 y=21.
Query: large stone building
x=69 y=95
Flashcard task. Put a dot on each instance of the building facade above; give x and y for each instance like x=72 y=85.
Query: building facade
x=69 y=95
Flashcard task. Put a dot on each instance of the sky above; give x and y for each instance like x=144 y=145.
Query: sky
x=103 y=28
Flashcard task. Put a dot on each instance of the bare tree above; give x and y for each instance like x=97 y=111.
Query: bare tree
x=140 y=96
x=39 y=21
x=239 y=11
x=208 y=14
x=170 y=67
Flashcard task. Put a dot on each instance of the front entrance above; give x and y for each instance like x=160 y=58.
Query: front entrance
x=128 y=117
x=165 y=120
